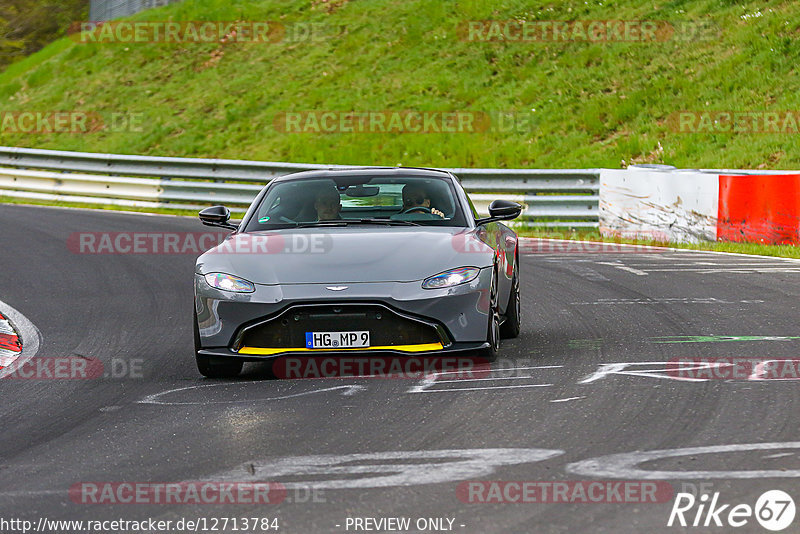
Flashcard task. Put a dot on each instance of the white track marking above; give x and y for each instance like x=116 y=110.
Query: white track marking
x=448 y=390
x=672 y=368
x=499 y=369
x=625 y=465
x=665 y=300
x=33 y=493
x=567 y=399
x=622 y=267
x=155 y=398
x=778 y=455
x=460 y=380
x=789 y=372
x=433 y=379
x=382 y=469
x=655 y=251
x=705 y=264
x=730 y=271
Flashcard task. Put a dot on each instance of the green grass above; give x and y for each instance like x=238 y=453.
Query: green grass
x=784 y=251
x=595 y=104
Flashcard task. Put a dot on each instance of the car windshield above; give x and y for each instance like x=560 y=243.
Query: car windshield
x=350 y=200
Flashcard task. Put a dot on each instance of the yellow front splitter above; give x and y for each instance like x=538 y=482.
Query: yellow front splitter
x=422 y=347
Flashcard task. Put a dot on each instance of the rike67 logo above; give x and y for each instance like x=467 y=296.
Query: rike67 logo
x=774 y=510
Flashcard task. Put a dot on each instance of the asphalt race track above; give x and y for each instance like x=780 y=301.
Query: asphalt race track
x=593 y=374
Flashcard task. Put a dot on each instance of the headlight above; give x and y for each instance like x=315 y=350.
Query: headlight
x=227 y=282
x=450 y=278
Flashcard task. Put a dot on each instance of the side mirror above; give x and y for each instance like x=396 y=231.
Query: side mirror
x=217 y=216
x=502 y=210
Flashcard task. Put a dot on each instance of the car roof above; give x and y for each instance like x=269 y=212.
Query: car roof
x=337 y=172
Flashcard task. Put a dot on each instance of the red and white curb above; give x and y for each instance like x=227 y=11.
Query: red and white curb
x=10 y=344
x=19 y=339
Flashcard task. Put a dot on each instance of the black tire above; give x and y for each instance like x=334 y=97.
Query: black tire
x=493 y=331
x=511 y=326
x=210 y=366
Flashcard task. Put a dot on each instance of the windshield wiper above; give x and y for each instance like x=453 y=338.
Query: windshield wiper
x=332 y=222
x=392 y=222
x=345 y=222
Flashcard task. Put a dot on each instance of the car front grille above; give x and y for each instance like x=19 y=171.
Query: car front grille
x=386 y=327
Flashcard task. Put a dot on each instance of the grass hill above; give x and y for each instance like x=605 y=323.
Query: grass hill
x=574 y=102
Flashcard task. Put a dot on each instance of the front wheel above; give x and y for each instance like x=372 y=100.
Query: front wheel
x=212 y=367
x=511 y=326
x=493 y=330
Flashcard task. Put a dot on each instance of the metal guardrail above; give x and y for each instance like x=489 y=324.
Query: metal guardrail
x=100 y=10
x=556 y=198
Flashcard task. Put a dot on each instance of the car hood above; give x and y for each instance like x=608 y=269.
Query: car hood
x=346 y=255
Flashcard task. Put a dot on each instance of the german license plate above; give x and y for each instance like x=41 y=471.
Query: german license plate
x=337 y=340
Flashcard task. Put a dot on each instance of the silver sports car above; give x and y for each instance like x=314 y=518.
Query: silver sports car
x=385 y=261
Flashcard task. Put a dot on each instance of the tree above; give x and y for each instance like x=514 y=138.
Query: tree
x=28 y=25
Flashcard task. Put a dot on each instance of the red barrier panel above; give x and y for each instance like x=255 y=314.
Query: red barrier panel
x=759 y=209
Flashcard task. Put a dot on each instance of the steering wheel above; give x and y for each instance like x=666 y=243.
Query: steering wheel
x=422 y=209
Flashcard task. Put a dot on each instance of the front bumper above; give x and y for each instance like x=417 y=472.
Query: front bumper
x=455 y=348
x=458 y=316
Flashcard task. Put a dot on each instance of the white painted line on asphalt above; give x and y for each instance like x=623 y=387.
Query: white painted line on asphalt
x=447 y=390
x=667 y=300
x=672 y=368
x=423 y=385
x=659 y=250
x=429 y=381
x=32 y=493
x=736 y=270
x=383 y=469
x=778 y=455
x=500 y=369
x=156 y=397
x=622 y=267
x=625 y=465
x=567 y=399
x=764 y=368
x=703 y=264
x=529 y=367
x=460 y=380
